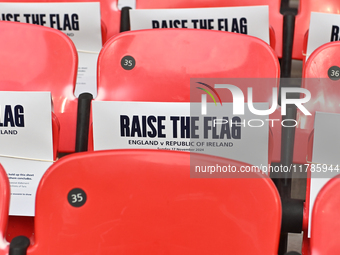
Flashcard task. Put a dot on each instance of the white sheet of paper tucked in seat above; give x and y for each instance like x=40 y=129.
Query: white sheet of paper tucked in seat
x=250 y=20
x=181 y=127
x=26 y=145
x=323 y=28
x=24 y=177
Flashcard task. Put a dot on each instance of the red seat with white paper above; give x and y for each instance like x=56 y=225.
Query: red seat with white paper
x=161 y=75
x=302 y=22
x=275 y=17
x=36 y=58
x=149 y=202
x=80 y=21
x=321 y=79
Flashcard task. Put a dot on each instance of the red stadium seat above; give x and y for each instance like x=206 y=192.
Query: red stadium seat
x=325 y=225
x=303 y=18
x=37 y=69
x=325 y=96
x=140 y=202
x=275 y=17
x=189 y=54
x=36 y=58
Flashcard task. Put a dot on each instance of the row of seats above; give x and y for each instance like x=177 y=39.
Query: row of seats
x=112 y=20
x=147 y=205
x=140 y=202
x=288 y=32
x=58 y=64
x=112 y=77
x=121 y=45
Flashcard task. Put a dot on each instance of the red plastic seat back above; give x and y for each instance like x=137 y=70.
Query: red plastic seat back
x=321 y=60
x=110 y=14
x=275 y=17
x=36 y=58
x=303 y=17
x=325 y=228
x=325 y=93
x=166 y=59
x=145 y=202
x=325 y=97
x=4 y=209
